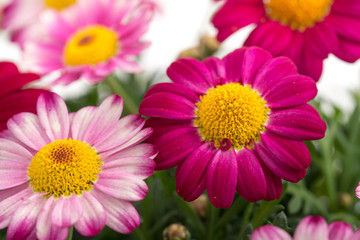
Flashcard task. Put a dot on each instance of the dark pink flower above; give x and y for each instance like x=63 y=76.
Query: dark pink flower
x=233 y=124
x=305 y=31
x=13 y=98
x=310 y=228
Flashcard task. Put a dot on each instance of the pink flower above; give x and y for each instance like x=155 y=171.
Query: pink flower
x=310 y=228
x=91 y=40
x=305 y=31
x=233 y=124
x=357 y=191
x=20 y=17
x=13 y=98
x=82 y=169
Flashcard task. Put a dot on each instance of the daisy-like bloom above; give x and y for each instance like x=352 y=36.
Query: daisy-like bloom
x=59 y=170
x=91 y=39
x=13 y=97
x=21 y=16
x=233 y=124
x=305 y=31
x=309 y=228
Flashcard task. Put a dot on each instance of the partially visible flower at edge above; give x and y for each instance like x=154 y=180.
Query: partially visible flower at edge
x=233 y=124
x=309 y=228
x=305 y=31
x=81 y=169
x=14 y=98
x=90 y=40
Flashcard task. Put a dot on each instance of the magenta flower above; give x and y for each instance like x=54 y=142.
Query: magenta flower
x=310 y=228
x=59 y=170
x=13 y=98
x=357 y=191
x=305 y=31
x=233 y=124
x=91 y=40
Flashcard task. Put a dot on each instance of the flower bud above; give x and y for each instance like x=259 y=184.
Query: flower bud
x=176 y=231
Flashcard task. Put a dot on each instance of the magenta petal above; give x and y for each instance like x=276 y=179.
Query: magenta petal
x=190 y=73
x=173 y=88
x=191 y=173
x=67 y=211
x=271 y=73
x=11 y=82
x=233 y=64
x=311 y=228
x=270 y=233
x=93 y=219
x=299 y=123
x=290 y=91
x=310 y=64
x=254 y=58
x=273 y=182
x=340 y=231
x=44 y=227
x=251 y=182
x=286 y=158
x=216 y=67
x=53 y=116
x=221 y=178
x=167 y=105
x=175 y=146
x=357 y=191
x=347 y=50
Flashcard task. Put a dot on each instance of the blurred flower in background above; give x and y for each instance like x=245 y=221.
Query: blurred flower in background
x=305 y=31
x=14 y=96
x=239 y=120
x=90 y=40
x=82 y=170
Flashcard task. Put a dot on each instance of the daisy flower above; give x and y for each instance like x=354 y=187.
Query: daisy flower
x=13 y=97
x=233 y=124
x=59 y=170
x=309 y=228
x=21 y=16
x=91 y=39
x=305 y=31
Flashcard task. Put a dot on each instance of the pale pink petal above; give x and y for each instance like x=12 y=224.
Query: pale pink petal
x=93 y=219
x=124 y=186
x=45 y=229
x=53 y=116
x=67 y=211
x=13 y=151
x=121 y=216
x=311 y=228
x=340 y=231
x=270 y=233
x=357 y=191
x=81 y=121
x=145 y=150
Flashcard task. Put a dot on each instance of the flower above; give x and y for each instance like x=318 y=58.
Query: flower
x=91 y=39
x=22 y=16
x=309 y=228
x=60 y=170
x=13 y=98
x=235 y=123
x=305 y=31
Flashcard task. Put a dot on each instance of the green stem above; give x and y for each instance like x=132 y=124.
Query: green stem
x=129 y=104
x=245 y=219
x=70 y=235
x=212 y=221
x=139 y=234
x=231 y=212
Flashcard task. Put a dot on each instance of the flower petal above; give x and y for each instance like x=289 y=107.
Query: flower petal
x=93 y=219
x=191 y=173
x=340 y=231
x=311 y=228
x=222 y=169
x=233 y=64
x=270 y=233
x=216 y=67
x=173 y=88
x=81 y=121
x=53 y=116
x=251 y=182
x=67 y=211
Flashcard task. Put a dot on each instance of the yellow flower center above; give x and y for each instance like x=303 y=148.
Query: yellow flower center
x=231 y=114
x=91 y=45
x=59 y=4
x=64 y=167
x=298 y=14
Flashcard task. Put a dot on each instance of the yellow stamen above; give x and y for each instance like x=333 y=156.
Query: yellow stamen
x=91 y=45
x=64 y=167
x=59 y=4
x=298 y=14
x=231 y=112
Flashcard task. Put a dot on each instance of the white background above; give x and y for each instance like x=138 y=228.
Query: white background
x=178 y=26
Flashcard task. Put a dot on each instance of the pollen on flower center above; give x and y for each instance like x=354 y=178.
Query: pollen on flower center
x=64 y=167
x=91 y=45
x=298 y=14
x=59 y=5
x=231 y=112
